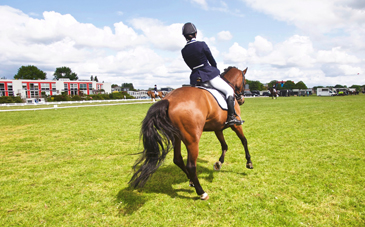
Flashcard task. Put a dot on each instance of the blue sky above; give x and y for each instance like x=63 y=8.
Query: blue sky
x=139 y=42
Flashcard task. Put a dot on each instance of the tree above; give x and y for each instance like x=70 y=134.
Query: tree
x=96 y=79
x=289 y=85
x=301 y=85
x=315 y=87
x=339 y=86
x=30 y=72
x=114 y=85
x=128 y=85
x=91 y=78
x=272 y=83
x=65 y=72
x=255 y=85
x=358 y=87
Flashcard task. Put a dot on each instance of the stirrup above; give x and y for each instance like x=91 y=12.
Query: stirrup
x=233 y=122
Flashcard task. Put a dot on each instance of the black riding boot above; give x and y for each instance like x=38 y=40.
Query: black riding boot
x=231 y=118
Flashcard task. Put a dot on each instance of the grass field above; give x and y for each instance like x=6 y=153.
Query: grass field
x=70 y=167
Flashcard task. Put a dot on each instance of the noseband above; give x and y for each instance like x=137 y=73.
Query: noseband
x=237 y=92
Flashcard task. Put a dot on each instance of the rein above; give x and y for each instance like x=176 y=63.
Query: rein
x=237 y=93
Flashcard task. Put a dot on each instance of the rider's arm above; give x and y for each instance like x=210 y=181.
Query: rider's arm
x=209 y=56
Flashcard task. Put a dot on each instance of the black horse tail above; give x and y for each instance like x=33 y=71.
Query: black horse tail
x=158 y=135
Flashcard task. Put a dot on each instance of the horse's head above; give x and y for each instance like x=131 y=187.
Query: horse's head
x=236 y=78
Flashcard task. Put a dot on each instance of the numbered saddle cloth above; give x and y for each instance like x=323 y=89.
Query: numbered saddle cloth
x=219 y=97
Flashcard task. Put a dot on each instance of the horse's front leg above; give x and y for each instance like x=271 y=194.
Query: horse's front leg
x=238 y=130
x=220 y=136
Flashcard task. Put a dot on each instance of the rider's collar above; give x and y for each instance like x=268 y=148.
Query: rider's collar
x=191 y=41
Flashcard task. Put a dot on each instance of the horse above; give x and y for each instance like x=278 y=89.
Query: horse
x=182 y=116
x=273 y=94
x=152 y=95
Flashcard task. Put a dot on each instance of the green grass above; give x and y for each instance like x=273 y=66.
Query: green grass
x=71 y=167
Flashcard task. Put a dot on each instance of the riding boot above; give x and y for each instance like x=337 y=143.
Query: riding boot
x=231 y=118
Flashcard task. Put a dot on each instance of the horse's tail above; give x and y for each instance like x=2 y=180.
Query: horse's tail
x=158 y=135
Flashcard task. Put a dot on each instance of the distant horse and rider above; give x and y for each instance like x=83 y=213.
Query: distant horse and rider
x=273 y=93
x=182 y=116
x=153 y=94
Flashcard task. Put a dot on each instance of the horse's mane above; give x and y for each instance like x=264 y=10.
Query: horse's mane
x=226 y=70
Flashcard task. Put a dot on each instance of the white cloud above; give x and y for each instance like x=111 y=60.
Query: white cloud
x=146 y=51
x=121 y=56
x=296 y=51
x=218 y=6
x=201 y=3
x=224 y=36
x=321 y=16
x=163 y=37
x=262 y=46
x=336 y=56
x=236 y=54
x=56 y=27
x=295 y=59
x=332 y=49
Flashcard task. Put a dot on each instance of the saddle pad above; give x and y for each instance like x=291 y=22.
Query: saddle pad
x=219 y=97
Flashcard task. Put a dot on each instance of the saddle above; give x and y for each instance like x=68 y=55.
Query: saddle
x=218 y=96
x=200 y=83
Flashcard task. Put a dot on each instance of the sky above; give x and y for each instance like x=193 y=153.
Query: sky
x=318 y=42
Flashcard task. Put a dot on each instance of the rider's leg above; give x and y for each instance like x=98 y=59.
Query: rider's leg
x=221 y=85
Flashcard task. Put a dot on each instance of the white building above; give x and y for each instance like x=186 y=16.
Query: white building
x=34 y=88
x=138 y=94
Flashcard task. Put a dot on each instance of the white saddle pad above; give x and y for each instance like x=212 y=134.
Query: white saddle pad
x=219 y=97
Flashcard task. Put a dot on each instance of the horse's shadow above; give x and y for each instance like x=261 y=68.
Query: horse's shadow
x=161 y=182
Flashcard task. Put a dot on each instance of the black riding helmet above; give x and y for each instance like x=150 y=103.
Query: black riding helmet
x=188 y=29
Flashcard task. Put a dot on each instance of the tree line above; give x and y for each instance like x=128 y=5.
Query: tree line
x=31 y=72
x=287 y=85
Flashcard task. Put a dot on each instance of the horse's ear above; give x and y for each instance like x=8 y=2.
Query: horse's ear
x=244 y=71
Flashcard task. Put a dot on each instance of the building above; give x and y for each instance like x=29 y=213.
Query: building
x=138 y=94
x=166 y=89
x=34 y=88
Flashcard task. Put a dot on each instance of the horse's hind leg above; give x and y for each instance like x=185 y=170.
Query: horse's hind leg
x=239 y=133
x=220 y=136
x=178 y=159
x=193 y=150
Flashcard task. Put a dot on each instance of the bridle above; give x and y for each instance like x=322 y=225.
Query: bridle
x=237 y=92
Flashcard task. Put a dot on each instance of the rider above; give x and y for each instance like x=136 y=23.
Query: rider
x=196 y=55
x=156 y=93
x=274 y=90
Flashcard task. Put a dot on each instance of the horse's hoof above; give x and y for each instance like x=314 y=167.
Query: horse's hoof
x=205 y=196
x=217 y=166
x=249 y=166
x=191 y=184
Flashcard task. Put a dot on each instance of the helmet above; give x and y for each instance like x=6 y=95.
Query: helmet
x=188 y=29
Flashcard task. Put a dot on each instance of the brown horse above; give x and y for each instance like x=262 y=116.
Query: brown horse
x=273 y=94
x=183 y=115
x=152 y=95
